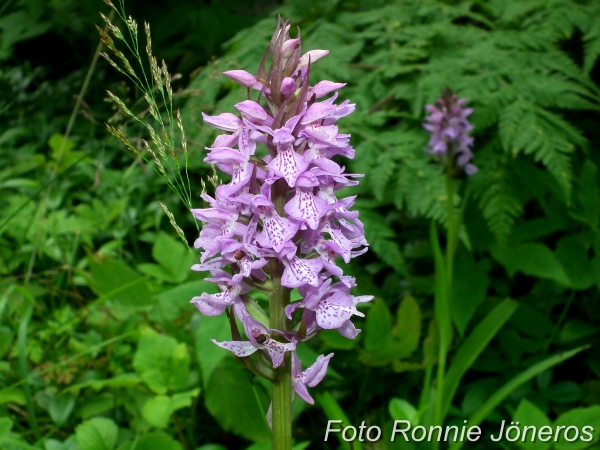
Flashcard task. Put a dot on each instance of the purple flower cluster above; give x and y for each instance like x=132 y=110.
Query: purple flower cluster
x=450 y=130
x=278 y=223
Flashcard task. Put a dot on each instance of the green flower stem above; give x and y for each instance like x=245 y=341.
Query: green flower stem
x=282 y=387
x=444 y=274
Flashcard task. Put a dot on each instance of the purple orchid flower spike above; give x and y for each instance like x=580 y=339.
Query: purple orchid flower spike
x=450 y=128
x=277 y=224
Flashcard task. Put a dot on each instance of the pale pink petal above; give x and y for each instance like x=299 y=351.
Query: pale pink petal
x=301 y=271
x=225 y=121
x=238 y=348
x=322 y=88
x=304 y=206
x=313 y=55
x=348 y=330
x=276 y=231
x=315 y=373
x=289 y=164
x=317 y=111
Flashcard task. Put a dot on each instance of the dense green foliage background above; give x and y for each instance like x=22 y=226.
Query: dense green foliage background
x=99 y=347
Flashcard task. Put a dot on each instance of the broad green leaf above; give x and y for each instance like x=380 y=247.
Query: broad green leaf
x=12 y=395
x=157 y=441
x=578 y=418
x=5 y=426
x=573 y=256
x=97 y=405
x=469 y=288
x=157 y=410
x=537 y=260
x=209 y=355
x=564 y=392
x=378 y=335
x=60 y=407
x=69 y=444
x=527 y=414
x=57 y=141
x=173 y=257
x=575 y=329
x=402 y=410
x=230 y=399
x=117 y=281
x=484 y=410
x=408 y=327
x=98 y=433
x=333 y=411
x=472 y=347
x=183 y=293
x=161 y=361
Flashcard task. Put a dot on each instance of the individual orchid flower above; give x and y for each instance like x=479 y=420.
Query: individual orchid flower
x=259 y=339
x=309 y=377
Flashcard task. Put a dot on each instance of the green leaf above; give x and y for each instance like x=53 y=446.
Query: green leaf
x=573 y=256
x=98 y=433
x=173 y=256
x=161 y=362
x=5 y=427
x=402 y=410
x=115 y=280
x=60 y=407
x=408 y=327
x=333 y=411
x=157 y=410
x=586 y=207
x=122 y=380
x=527 y=414
x=578 y=418
x=12 y=395
x=209 y=355
x=469 y=288
x=183 y=293
x=230 y=399
x=537 y=260
x=564 y=392
x=497 y=397
x=473 y=346
x=378 y=335
x=157 y=441
x=69 y=444
x=441 y=306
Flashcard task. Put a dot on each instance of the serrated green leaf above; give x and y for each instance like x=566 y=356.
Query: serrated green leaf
x=161 y=362
x=98 y=433
x=158 y=410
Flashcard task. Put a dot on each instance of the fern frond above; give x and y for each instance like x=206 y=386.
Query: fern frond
x=525 y=127
x=496 y=188
x=381 y=238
